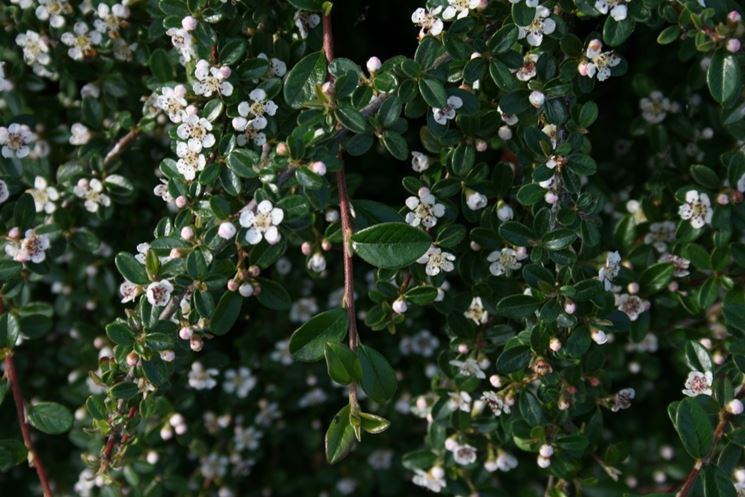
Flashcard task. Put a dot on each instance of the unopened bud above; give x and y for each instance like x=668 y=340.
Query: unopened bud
x=181 y=201
x=232 y=285
x=226 y=231
x=187 y=232
x=318 y=167
x=133 y=359
x=373 y=65
x=185 y=333
x=735 y=407
x=399 y=305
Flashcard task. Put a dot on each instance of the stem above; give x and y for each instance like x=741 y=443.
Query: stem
x=346 y=225
x=20 y=402
x=700 y=464
x=121 y=145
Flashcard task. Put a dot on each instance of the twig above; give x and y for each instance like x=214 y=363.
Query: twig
x=121 y=145
x=700 y=464
x=346 y=225
x=20 y=402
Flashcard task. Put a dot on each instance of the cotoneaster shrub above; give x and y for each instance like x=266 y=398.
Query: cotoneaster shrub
x=237 y=263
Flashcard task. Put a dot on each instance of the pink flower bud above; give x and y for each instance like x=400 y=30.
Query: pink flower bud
x=554 y=344
x=373 y=65
x=196 y=343
x=14 y=233
x=167 y=355
x=735 y=407
x=595 y=45
x=544 y=462
x=475 y=55
x=462 y=348
x=546 y=450
x=225 y=72
x=325 y=245
x=328 y=89
x=551 y=198
x=734 y=17
x=191 y=110
x=187 y=232
x=185 y=333
x=319 y=168
x=232 y=285
x=537 y=99
x=495 y=381
x=179 y=90
x=505 y=133
x=570 y=307
x=399 y=305
x=181 y=201
x=246 y=290
x=132 y=359
x=582 y=69
x=633 y=287
x=175 y=253
x=481 y=145
x=733 y=45
x=282 y=149
x=226 y=231
x=673 y=286
x=189 y=23
x=306 y=248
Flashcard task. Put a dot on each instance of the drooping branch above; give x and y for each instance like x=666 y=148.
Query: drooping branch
x=20 y=403
x=121 y=145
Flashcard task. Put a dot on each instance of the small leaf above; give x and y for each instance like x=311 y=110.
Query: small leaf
x=226 y=313
x=307 y=343
x=693 y=426
x=339 y=437
x=131 y=269
x=49 y=417
x=374 y=424
x=724 y=76
x=517 y=306
x=301 y=82
x=342 y=364
x=378 y=377
x=391 y=245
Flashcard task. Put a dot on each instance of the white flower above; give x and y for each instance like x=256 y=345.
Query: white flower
x=598 y=63
x=239 y=382
x=424 y=343
x=424 y=209
x=92 y=192
x=281 y=353
x=496 y=403
x=317 y=263
x=537 y=99
x=428 y=21
x=15 y=140
x=697 y=209
x=4 y=191
x=698 y=383
x=445 y=114
x=24 y=4
x=79 y=134
x=262 y=223
x=305 y=21
x=504 y=212
x=35 y=48
x=251 y=134
x=660 y=234
x=476 y=200
x=618 y=8
x=655 y=107
x=506 y=260
x=191 y=160
x=129 y=291
x=212 y=79
x=622 y=399
x=254 y=114
x=197 y=131
x=610 y=270
x=32 y=248
x=183 y=42
x=741 y=183
x=680 y=264
x=476 y=311
x=632 y=305
x=380 y=459
x=44 y=195
x=469 y=367
x=433 y=480
x=172 y=102
x=303 y=309
x=201 y=378
x=504 y=462
x=213 y=466
x=542 y=24
x=53 y=11
x=81 y=41
x=436 y=261
x=111 y=19
x=464 y=454
x=159 y=292
x=246 y=438
x=528 y=70
x=459 y=8
x=459 y=401
x=420 y=162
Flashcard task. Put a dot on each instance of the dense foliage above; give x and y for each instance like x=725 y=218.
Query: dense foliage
x=508 y=263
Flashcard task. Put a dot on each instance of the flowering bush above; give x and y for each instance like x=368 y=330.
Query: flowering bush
x=508 y=260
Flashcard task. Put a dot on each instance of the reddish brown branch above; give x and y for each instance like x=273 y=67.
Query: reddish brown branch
x=121 y=145
x=20 y=402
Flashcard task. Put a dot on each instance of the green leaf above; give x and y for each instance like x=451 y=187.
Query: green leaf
x=656 y=277
x=522 y=14
x=396 y=145
x=693 y=426
x=342 y=364
x=120 y=333
x=697 y=356
x=517 y=306
x=242 y=162
x=390 y=245
x=513 y=359
x=339 y=437
x=517 y=233
x=378 y=377
x=724 y=76
x=389 y=111
x=310 y=5
x=717 y=483
x=273 y=295
x=301 y=82
x=9 y=330
x=433 y=92
x=587 y=114
x=558 y=239
x=616 y=32
x=668 y=35
x=351 y=118
x=705 y=176
x=374 y=424
x=226 y=313
x=124 y=390
x=161 y=65
x=49 y=417
x=307 y=343
x=131 y=269
x=12 y=453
